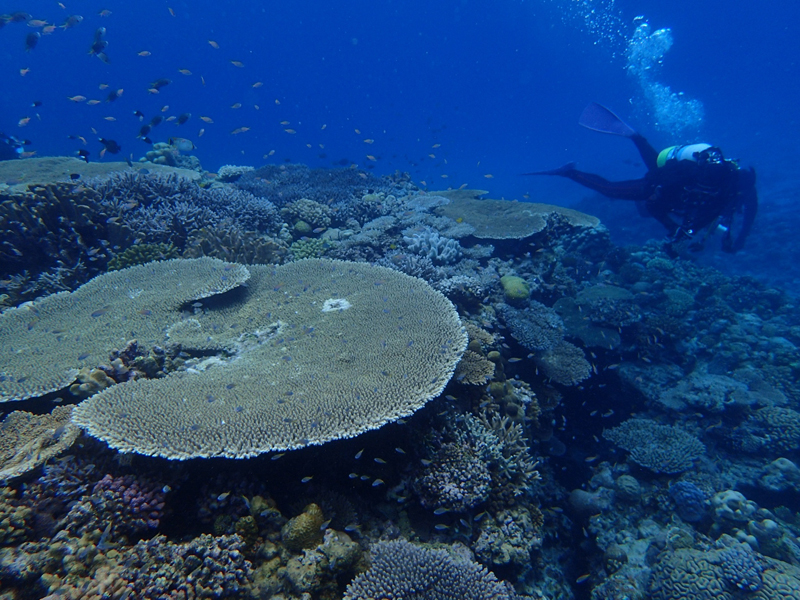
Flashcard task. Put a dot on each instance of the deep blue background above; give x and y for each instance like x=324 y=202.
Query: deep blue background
x=498 y=84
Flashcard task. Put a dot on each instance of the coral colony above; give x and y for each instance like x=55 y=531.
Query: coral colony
x=322 y=384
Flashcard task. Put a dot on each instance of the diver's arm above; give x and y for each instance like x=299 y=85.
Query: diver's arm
x=748 y=201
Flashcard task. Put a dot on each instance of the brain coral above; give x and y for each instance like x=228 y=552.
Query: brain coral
x=43 y=344
x=717 y=575
x=660 y=448
x=401 y=570
x=308 y=352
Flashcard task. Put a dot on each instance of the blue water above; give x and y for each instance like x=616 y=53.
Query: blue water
x=453 y=92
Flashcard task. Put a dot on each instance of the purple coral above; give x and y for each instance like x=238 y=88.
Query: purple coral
x=138 y=503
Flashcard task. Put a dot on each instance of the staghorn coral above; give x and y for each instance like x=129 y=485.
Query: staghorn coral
x=564 y=363
x=38 y=354
x=310 y=351
x=660 y=448
x=29 y=440
x=403 y=570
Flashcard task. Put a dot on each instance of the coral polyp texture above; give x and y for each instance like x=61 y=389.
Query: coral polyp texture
x=44 y=343
x=403 y=570
x=281 y=370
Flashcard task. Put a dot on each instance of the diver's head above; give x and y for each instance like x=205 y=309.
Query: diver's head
x=10 y=147
x=711 y=155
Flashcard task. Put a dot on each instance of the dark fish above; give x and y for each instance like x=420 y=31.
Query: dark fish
x=36 y=103
x=84 y=154
x=138 y=113
x=110 y=145
x=145 y=130
x=160 y=83
x=156 y=120
x=147 y=140
x=31 y=40
x=99 y=44
x=71 y=21
x=18 y=17
x=183 y=118
x=113 y=95
x=75 y=176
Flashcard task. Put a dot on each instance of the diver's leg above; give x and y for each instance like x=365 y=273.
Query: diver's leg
x=646 y=151
x=634 y=189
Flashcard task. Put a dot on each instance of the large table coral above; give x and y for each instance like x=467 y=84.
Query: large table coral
x=43 y=344
x=307 y=352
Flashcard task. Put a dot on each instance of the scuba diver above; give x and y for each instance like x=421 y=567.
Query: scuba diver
x=11 y=147
x=687 y=188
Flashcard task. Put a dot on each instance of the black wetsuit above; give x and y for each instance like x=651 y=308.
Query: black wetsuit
x=696 y=193
x=10 y=147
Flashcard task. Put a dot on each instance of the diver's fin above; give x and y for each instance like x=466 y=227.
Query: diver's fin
x=563 y=170
x=598 y=118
